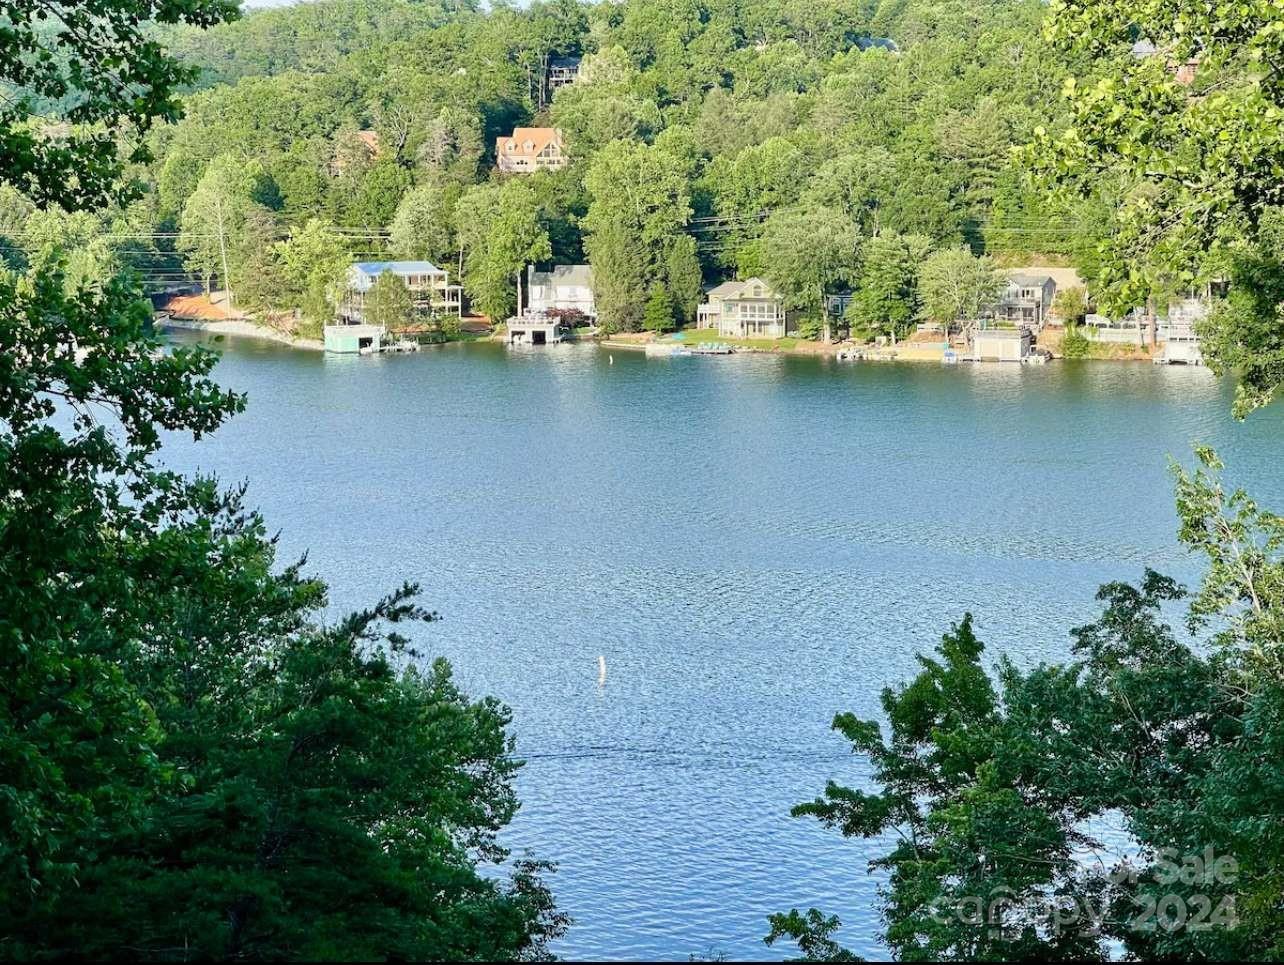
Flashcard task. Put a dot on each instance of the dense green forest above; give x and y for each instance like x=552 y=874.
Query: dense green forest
x=874 y=133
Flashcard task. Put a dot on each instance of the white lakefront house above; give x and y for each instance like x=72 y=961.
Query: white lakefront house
x=430 y=291
x=553 y=298
x=563 y=288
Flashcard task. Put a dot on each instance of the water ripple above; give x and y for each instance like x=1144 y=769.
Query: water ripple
x=752 y=543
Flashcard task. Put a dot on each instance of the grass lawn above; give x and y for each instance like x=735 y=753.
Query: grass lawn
x=694 y=336
x=468 y=337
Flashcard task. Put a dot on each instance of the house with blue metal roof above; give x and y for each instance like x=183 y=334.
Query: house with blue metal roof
x=429 y=287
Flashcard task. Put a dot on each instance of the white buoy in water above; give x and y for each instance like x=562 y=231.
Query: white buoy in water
x=601 y=670
x=610 y=359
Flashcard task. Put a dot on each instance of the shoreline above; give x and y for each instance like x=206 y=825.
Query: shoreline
x=244 y=328
x=241 y=328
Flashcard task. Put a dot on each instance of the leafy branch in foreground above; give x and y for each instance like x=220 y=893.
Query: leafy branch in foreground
x=193 y=765
x=1178 y=110
x=998 y=791
x=92 y=65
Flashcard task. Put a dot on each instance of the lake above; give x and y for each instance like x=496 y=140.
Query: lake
x=752 y=543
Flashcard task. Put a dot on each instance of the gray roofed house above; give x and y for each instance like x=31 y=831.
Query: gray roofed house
x=562 y=71
x=1026 y=301
x=878 y=43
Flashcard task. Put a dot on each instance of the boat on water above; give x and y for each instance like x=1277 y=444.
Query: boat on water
x=713 y=348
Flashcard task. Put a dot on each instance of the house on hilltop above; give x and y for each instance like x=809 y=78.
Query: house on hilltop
x=561 y=72
x=530 y=149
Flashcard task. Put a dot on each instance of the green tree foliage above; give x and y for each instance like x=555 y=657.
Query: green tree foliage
x=93 y=64
x=1242 y=334
x=77 y=743
x=887 y=297
x=956 y=285
x=193 y=764
x=1070 y=305
x=749 y=187
x=366 y=193
x=658 y=317
x=359 y=112
x=225 y=222
x=181 y=737
x=635 y=229
x=999 y=787
x=422 y=226
x=1191 y=124
x=307 y=37
x=501 y=232
x=389 y=303
x=604 y=106
x=1075 y=344
x=808 y=253
x=310 y=271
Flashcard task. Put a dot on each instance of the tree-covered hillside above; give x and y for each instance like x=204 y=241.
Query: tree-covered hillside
x=369 y=127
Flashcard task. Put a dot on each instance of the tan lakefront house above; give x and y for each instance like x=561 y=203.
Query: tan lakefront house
x=744 y=309
x=530 y=149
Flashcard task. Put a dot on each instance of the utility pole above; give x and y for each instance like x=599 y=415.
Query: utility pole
x=222 y=247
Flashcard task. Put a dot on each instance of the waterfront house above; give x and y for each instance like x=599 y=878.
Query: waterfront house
x=1002 y=344
x=530 y=149
x=1026 y=300
x=744 y=309
x=429 y=286
x=564 y=288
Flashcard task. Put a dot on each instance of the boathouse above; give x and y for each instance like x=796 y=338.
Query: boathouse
x=1002 y=344
x=534 y=328
x=354 y=339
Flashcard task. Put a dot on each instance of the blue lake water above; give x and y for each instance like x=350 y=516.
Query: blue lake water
x=753 y=543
